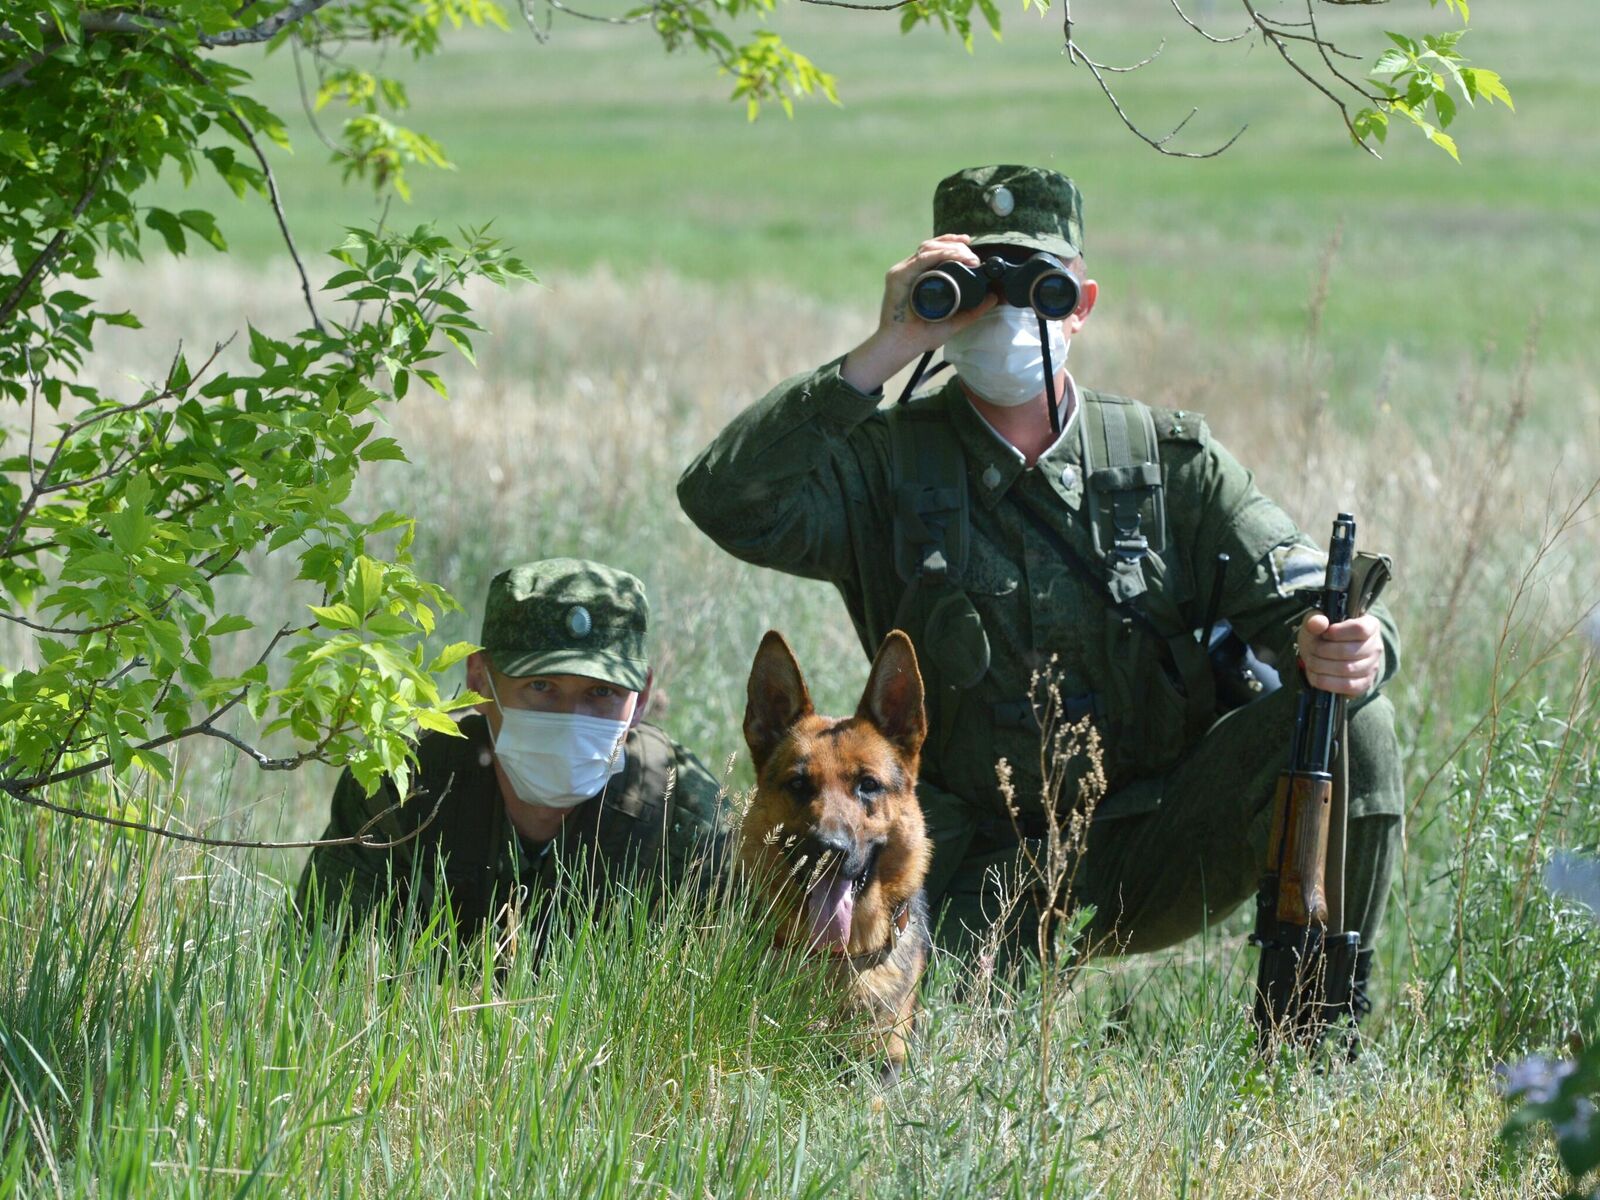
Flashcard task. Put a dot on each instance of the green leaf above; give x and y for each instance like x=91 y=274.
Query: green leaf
x=166 y=640
x=230 y=623
x=129 y=530
x=461 y=342
x=450 y=656
x=205 y=225
x=336 y=616
x=1390 y=62
x=169 y=227
x=1486 y=83
x=383 y=450
x=1445 y=107
x=437 y=722
x=1445 y=142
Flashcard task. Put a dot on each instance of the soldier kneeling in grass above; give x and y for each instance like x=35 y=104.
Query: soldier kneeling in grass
x=554 y=771
x=1060 y=556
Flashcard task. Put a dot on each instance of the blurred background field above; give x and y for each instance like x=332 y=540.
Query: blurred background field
x=1415 y=339
x=594 y=147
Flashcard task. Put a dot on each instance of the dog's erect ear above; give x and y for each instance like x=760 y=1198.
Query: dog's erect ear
x=777 y=698
x=893 y=699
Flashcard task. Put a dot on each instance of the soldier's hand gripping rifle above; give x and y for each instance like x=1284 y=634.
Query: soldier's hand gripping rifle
x=1308 y=959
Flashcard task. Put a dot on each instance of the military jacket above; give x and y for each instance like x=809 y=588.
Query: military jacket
x=660 y=816
x=804 y=482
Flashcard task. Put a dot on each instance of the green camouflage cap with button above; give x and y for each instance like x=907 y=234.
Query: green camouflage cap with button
x=1012 y=206
x=568 y=616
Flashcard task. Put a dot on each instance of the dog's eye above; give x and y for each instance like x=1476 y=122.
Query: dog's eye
x=869 y=787
x=799 y=787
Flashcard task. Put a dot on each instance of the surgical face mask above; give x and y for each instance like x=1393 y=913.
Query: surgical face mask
x=1000 y=357
x=558 y=760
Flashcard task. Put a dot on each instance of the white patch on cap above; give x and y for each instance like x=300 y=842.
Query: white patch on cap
x=1001 y=201
x=579 y=622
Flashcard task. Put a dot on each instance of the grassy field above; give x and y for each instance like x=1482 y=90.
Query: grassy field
x=594 y=147
x=163 y=1032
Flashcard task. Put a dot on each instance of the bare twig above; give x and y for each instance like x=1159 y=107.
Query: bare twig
x=861 y=7
x=1220 y=41
x=557 y=6
x=1075 y=54
x=283 y=223
x=1274 y=34
x=359 y=839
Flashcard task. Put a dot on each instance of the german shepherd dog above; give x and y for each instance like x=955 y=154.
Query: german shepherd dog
x=834 y=833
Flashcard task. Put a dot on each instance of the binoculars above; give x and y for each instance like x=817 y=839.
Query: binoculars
x=1041 y=283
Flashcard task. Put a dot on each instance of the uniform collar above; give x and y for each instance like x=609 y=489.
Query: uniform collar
x=995 y=464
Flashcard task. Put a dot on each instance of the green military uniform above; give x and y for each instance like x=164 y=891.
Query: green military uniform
x=926 y=519
x=635 y=827
x=657 y=821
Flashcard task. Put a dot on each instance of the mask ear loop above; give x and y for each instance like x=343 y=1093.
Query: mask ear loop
x=1049 y=378
x=488 y=674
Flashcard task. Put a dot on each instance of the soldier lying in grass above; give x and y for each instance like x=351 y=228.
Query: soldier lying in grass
x=554 y=770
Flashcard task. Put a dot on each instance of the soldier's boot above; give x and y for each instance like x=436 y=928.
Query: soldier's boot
x=1360 y=1000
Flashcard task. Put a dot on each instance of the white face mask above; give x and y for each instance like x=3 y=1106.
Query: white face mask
x=558 y=760
x=1000 y=357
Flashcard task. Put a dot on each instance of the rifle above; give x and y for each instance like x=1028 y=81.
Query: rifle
x=1308 y=959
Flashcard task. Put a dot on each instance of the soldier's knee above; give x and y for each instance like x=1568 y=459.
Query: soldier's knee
x=1375 y=771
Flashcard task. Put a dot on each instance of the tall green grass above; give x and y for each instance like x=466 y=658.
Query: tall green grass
x=164 y=1030
x=167 y=1032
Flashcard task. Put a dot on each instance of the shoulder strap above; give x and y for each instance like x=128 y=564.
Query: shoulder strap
x=1127 y=509
x=929 y=474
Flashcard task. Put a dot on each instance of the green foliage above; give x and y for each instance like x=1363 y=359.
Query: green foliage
x=1519 y=970
x=1424 y=77
x=116 y=525
x=142 y=504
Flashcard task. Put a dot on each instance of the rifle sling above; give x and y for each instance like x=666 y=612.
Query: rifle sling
x=1371 y=574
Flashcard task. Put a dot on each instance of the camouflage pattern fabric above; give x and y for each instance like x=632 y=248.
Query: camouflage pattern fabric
x=634 y=832
x=1012 y=206
x=803 y=482
x=568 y=616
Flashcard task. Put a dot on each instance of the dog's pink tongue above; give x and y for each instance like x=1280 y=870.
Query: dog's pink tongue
x=830 y=904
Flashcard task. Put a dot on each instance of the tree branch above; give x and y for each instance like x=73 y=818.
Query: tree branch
x=13 y=299
x=1276 y=37
x=1220 y=41
x=122 y=21
x=359 y=839
x=1075 y=54
x=41 y=487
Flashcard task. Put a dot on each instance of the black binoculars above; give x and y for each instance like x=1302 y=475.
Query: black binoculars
x=1041 y=283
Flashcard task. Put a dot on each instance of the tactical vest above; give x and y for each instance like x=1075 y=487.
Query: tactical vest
x=623 y=828
x=1160 y=694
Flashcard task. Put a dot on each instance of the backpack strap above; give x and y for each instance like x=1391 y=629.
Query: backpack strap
x=1127 y=507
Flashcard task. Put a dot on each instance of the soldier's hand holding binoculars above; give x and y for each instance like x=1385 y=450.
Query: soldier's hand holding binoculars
x=902 y=335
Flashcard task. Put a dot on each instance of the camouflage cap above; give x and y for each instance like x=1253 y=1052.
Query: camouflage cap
x=1012 y=206
x=568 y=616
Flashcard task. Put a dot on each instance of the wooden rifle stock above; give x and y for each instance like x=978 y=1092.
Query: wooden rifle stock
x=1307 y=967
x=1300 y=846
